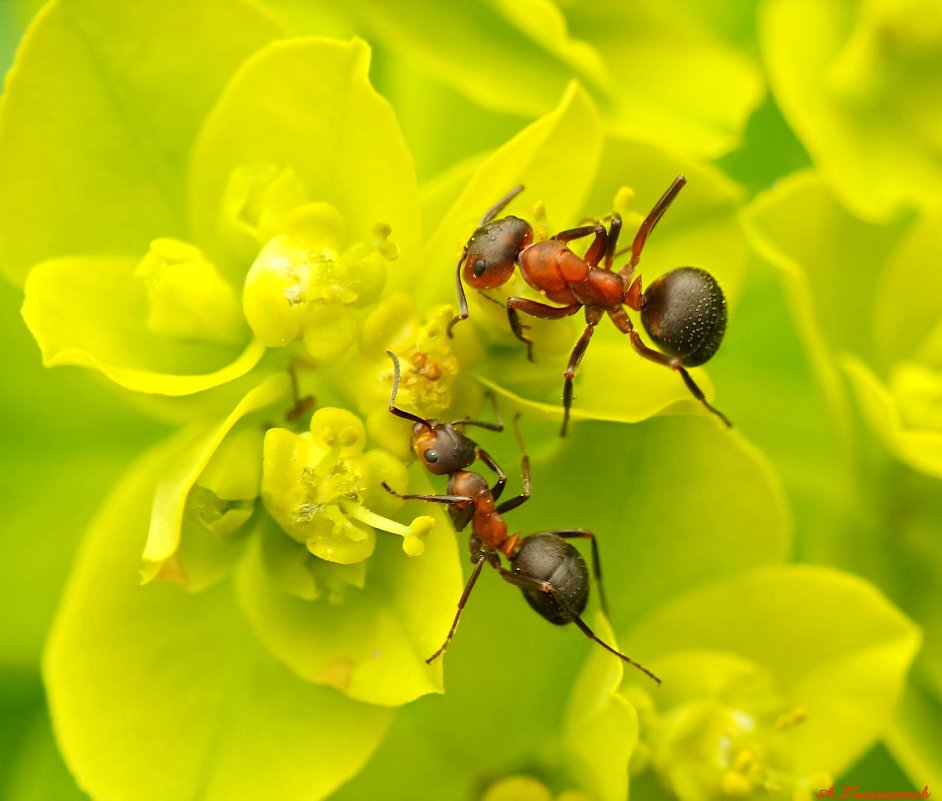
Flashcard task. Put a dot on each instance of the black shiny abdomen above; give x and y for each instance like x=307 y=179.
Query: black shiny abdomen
x=684 y=313
x=547 y=557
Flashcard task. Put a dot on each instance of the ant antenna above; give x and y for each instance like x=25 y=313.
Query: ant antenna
x=392 y=398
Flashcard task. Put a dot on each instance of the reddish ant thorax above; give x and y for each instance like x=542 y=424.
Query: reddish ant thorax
x=486 y=523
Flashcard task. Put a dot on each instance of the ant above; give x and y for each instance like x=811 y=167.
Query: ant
x=550 y=572
x=683 y=311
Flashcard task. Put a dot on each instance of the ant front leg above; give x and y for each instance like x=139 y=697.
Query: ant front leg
x=489 y=460
x=534 y=309
x=623 y=323
x=482 y=454
x=599 y=245
x=451 y=500
x=592 y=316
x=461 y=507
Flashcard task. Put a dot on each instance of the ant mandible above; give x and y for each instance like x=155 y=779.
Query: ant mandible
x=550 y=572
x=683 y=311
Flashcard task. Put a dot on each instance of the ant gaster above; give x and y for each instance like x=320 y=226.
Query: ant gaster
x=683 y=311
x=550 y=572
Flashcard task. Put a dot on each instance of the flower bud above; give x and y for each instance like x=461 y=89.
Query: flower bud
x=325 y=492
x=189 y=299
x=305 y=283
x=223 y=498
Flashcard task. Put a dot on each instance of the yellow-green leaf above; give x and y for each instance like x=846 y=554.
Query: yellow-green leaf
x=858 y=83
x=214 y=715
x=98 y=116
x=308 y=105
x=92 y=312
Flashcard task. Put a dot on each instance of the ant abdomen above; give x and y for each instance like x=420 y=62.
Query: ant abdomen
x=549 y=558
x=684 y=312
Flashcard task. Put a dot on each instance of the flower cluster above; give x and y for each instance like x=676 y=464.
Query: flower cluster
x=231 y=215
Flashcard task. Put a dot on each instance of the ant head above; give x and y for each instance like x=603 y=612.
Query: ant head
x=491 y=254
x=684 y=312
x=548 y=557
x=441 y=447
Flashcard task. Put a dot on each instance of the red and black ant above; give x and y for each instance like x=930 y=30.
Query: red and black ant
x=550 y=572
x=683 y=311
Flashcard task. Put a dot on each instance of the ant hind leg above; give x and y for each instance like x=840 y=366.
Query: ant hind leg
x=529 y=583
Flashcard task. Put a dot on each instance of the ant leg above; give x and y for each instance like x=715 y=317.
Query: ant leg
x=461 y=602
x=489 y=460
x=301 y=405
x=582 y=231
x=482 y=454
x=596 y=249
x=581 y=533
x=602 y=247
x=622 y=321
x=574 y=360
x=451 y=500
x=527 y=583
x=614 y=229
x=583 y=627
x=524 y=495
x=534 y=309
x=651 y=220
x=498 y=426
x=462 y=506
x=593 y=315
x=461 y=516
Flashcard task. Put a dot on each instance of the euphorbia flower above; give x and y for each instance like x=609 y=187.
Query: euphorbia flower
x=118 y=280
x=228 y=225
x=321 y=488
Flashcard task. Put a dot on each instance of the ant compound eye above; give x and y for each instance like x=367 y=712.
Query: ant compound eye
x=478 y=268
x=430 y=456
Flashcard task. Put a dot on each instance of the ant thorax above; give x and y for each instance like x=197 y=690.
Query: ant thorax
x=601 y=288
